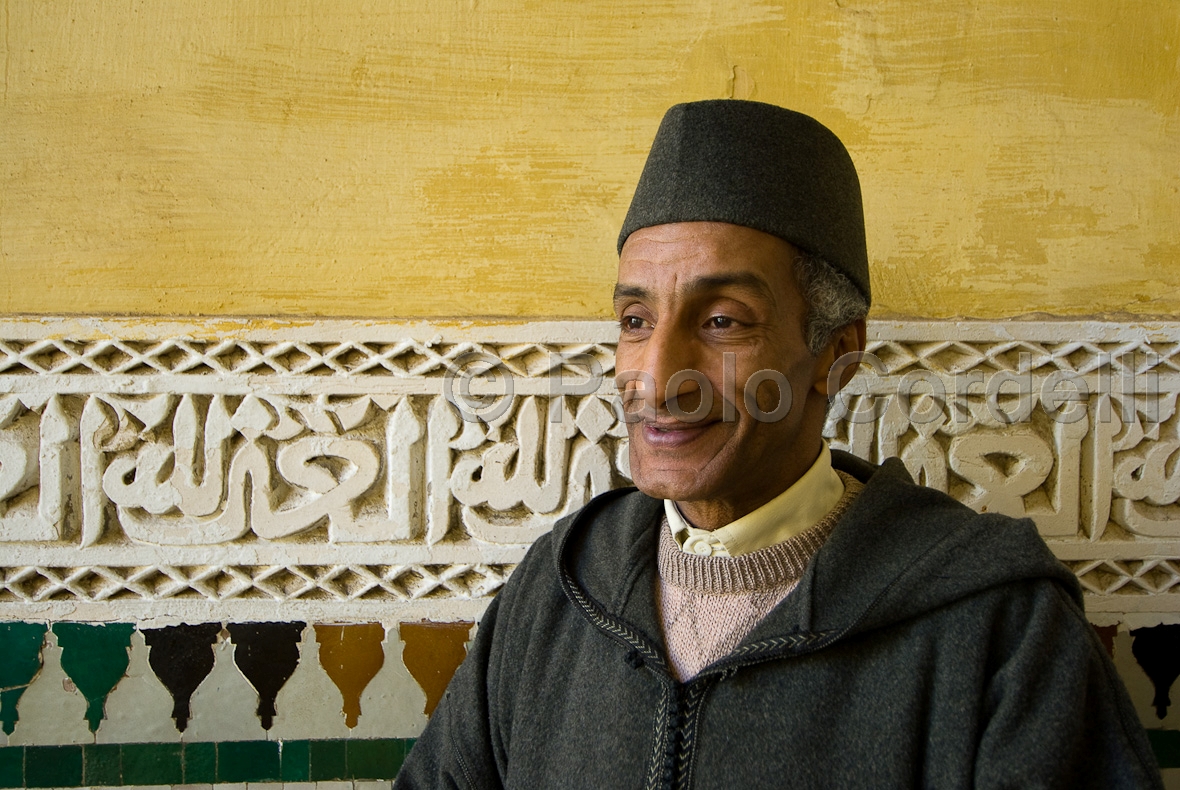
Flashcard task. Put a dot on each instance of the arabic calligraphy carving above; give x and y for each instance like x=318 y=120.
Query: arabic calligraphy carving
x=329 y=466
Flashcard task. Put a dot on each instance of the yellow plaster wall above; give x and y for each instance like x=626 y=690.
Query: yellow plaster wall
x=475 y=157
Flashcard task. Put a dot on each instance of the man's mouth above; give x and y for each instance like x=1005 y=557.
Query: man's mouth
x=673 y=433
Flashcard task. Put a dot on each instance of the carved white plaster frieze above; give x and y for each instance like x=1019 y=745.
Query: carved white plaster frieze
x=155 y=469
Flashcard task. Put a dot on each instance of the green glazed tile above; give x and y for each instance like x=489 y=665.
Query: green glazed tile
x=152 y=764
x=1166 y=745
x=403 y=749
x=295 y=757
x=374 y=759
x=53 y=766
x=102 y=764
x=329 y=760
x=95 y=657
x=248 y=761
x=12 y=766
x=200 y=763
x=20 y=659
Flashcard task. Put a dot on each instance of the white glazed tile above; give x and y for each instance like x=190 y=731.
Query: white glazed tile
x=392 y=705
x=309 y=704
x=52 y=710
x=139 y=709
x=225 y=706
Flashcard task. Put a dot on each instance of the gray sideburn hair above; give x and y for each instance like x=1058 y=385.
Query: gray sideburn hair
x=832 y=300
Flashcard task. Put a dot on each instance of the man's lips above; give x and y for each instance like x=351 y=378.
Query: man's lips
x=673 y=433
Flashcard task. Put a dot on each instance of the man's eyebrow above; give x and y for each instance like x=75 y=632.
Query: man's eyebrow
x=629 y=292
x=745 y=280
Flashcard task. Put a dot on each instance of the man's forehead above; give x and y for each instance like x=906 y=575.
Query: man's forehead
x=706 y=247
x=740 y=279
x=690 y=239
x=699 y=257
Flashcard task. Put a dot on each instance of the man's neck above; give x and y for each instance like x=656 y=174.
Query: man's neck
x=714 y=513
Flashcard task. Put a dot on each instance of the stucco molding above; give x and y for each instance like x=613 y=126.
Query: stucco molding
x=211 y=470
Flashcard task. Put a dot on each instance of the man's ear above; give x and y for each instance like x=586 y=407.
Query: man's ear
x=849 y=339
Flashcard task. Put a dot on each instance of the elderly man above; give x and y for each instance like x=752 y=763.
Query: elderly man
x=765 y=612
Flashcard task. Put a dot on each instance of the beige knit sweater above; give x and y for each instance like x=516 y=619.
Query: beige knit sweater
x=709 y=604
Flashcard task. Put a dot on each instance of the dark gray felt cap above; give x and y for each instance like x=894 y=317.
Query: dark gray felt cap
x=757 y=165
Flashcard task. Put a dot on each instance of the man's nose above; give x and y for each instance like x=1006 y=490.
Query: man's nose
x=668 y=356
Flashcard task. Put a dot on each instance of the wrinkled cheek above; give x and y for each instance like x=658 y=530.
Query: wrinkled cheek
x=644 y=468
x=773 y=396
x=636 y=457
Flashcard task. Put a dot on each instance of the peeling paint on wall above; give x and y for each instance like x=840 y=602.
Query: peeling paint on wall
x=320 y=159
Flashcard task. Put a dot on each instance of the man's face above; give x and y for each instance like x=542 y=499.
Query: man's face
x=690 y=295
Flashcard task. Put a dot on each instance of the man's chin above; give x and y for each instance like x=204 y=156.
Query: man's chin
x=680 y=486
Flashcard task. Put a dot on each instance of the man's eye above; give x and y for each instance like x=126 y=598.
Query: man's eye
x=720 y=322
x=631 y=322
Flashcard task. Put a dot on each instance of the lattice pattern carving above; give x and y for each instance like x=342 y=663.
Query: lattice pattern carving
x=1129 y=577
x=35 y=584
x=409 y=358
x=400 y=358
x=955 y=357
